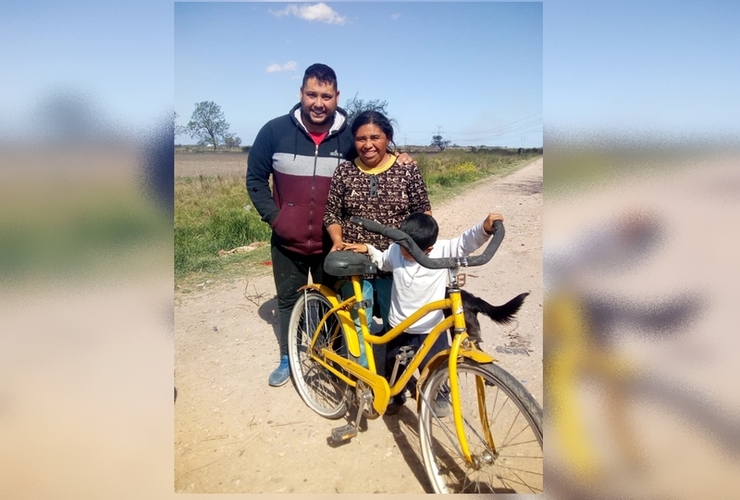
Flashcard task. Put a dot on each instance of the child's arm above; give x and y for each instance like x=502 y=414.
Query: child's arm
x=474 y=238
x=488 y=222
x=380 y=259
x=356 y=247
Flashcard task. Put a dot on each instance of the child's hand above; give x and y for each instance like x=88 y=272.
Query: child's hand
x=488 y=223
x=356 y=247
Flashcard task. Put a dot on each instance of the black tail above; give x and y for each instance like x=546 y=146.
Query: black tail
x=473 y=305
x=500 y=314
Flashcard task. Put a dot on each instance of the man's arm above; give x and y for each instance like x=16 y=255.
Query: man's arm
x=259 y=169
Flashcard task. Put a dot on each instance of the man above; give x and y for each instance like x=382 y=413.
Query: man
x=300 y=151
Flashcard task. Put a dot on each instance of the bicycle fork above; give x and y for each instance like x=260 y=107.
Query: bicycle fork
x=460 y=339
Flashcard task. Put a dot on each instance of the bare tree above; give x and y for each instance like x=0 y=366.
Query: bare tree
x=355 y=106
x=179 y=129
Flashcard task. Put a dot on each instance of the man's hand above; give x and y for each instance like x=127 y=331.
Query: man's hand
x=405 y=159
x=488 y=223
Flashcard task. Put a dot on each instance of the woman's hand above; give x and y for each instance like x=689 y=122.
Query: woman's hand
x=337 y=245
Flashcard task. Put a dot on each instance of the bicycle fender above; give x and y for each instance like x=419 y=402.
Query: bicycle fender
x=476 y=355
x=353 y=343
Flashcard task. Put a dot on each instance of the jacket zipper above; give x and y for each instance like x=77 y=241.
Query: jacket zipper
x=313 y=194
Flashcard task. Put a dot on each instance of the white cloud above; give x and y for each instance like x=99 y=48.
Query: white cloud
x=288 y=66
x=317 y=12
x=395 y=16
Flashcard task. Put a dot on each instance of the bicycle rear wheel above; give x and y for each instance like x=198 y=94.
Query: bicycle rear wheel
x=514 y=419
x=320 y=389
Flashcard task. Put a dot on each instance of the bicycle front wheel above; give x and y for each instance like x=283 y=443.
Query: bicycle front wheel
x=320 y=389
x=503 y=425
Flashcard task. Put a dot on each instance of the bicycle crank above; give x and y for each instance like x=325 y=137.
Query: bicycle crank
x=348 y=431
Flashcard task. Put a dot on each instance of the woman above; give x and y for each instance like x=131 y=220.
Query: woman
x=373 y=186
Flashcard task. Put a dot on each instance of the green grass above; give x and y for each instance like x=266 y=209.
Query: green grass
x=214 y=212
x=580 y=169
x=447 y=173
x=77 y=232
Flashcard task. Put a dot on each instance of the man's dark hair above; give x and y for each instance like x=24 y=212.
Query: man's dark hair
x=422 y=228
x=323 y=74
x=374 y=118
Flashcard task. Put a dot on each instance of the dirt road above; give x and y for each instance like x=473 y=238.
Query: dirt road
x=234 y=433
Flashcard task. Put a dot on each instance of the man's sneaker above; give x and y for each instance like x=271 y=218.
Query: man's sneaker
x=281 y=375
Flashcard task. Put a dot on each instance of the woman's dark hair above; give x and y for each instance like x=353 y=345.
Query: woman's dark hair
x=374 y=118
x=422 y=228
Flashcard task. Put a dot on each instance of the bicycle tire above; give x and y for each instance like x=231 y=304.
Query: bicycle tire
x=515 y=424
x=320 y=389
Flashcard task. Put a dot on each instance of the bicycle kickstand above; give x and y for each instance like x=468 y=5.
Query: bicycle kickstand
x=348 y=431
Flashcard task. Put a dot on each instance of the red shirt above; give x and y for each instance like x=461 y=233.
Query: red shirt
x=317 y=137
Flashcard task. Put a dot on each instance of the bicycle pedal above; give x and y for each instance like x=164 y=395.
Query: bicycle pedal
x=343 y=433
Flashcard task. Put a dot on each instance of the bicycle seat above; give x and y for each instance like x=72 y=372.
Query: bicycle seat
x=348 y=263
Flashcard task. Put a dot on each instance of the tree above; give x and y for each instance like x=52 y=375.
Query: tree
x=207 y=124
x=355 y=106
x=232 y=141
x=438 y=141
x=179 y=129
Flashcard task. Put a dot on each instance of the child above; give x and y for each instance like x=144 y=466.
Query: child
x=415 y=285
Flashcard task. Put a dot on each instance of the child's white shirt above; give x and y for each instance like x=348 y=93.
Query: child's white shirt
x=415 y=285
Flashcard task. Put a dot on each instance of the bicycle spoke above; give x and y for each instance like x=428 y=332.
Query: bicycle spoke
x=320 y=389
x=515 y=467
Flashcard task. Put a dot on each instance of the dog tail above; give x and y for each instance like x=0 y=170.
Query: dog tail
x=500 y=314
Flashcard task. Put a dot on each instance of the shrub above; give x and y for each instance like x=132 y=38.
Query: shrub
x=459 y=174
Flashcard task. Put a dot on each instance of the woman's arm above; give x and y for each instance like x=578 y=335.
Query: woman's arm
x=335 y=233
x=333 y=212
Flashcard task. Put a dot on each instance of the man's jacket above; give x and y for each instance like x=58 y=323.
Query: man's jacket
x=301 y=175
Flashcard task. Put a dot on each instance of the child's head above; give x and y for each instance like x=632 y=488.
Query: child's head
x=423 y=229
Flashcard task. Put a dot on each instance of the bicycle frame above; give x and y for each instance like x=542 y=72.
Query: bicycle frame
x=353 y=372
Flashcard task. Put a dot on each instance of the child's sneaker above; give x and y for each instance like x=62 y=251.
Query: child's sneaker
x=395 y=404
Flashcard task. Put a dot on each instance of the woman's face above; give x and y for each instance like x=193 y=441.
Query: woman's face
x=371 y=144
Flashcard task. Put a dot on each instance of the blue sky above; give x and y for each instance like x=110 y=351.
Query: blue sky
x=657 y=68
x=472 y=70
x=115 y=54
x=661 y=68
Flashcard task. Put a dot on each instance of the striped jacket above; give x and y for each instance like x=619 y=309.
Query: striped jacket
x=301 y=175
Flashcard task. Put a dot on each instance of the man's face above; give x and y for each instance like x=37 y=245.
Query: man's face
x=318 y=104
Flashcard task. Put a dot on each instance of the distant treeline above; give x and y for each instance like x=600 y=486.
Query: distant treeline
x=179 y=148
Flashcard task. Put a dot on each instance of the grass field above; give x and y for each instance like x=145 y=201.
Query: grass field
x=213 y=211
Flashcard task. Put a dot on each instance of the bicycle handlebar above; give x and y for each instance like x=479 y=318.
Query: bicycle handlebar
x=435 y=262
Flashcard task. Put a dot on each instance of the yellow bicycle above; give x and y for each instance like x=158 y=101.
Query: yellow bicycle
x=491 y=441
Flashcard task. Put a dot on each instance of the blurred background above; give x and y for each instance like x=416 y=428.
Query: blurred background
x=642 y=186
